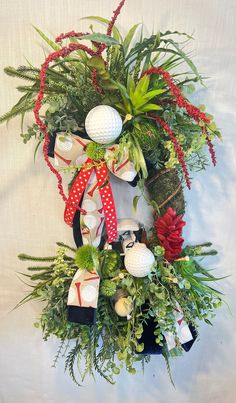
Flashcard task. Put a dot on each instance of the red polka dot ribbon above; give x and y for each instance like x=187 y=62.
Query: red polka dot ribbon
x=104 y=187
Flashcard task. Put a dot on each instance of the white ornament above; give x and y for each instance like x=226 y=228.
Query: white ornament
x=139 y=260
x=123 y=307
x=127 y=224
x=103 y=124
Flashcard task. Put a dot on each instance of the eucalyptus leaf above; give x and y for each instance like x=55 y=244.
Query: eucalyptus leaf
x=115 y=31
x=101 y=38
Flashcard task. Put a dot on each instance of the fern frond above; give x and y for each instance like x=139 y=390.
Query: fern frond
x=70 y=361
x=25 y=74
x=59 y=353
x=90 y=352
x=39 y=268
x=25 y=104
x=23 y=256
x=101 y=372
x=168 y=367
x=63 y=245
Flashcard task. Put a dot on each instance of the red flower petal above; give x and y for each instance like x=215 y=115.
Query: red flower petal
x=169 y=230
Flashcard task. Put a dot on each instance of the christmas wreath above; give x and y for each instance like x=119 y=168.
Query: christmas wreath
x=119 y=107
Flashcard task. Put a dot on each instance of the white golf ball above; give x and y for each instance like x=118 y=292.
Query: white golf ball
x=103 y=124
x=139 y=260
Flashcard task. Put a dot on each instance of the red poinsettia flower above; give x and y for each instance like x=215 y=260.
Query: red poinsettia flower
x=169 y=231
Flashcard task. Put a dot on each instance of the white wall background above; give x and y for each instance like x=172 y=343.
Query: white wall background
x=31 y=210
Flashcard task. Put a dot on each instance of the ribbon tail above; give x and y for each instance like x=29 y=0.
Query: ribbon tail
x=76 y=192
x=108 y=203
x=83 y=297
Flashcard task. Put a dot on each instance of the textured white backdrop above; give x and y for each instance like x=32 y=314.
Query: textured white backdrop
x=31 y=210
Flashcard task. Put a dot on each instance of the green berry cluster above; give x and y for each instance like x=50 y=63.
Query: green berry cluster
x=111 y=263
x=107 y=288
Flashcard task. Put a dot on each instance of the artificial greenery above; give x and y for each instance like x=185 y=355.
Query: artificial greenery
x=87 y=257
x=69 y=93
x=113 y=343
x=157 y=130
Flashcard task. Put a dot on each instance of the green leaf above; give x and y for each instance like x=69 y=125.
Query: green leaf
x=146 y=98
x=150 y=107
x=96 y=62
x=22 y=106
x=20 y=73
x=135 y=202
x=185 y=57
x=101 y=38
x=142 y=87
x=129 y=37
x=130 y=85
x=115 y=31
x=125 y=96
x=208 y=322
x=36 y=148
x=175 y=33
x=151 y=94
x=51 y=43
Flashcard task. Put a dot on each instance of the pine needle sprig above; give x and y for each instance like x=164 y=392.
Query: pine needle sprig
x=58 y=353
x=70 y=362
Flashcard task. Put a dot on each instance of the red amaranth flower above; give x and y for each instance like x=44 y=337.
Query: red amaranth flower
x=192 y=110
x=211 y=151
x=169 y=230
x=114 y=18
x=71 y=34
x=178 y=149
x=96 y=86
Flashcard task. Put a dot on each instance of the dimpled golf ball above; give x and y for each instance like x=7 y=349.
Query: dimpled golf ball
x=103 y=124
x=139 y=260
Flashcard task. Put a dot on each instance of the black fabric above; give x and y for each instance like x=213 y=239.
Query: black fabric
x=187 y=346
x=81 y=315
x=51 y=146
x=149 y=339
x=76 y=229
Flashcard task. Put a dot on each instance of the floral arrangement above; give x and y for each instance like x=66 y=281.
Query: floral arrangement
x=119 y=107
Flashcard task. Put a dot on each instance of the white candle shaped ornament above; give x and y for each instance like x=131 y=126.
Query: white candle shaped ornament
x=122 y=305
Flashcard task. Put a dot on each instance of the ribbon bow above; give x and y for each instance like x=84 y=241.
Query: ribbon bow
x=92 y=181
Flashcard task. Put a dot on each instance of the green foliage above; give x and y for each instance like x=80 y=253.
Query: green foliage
x=70 y=95
x=86 y=257
x=136 y=99
x=100 y=38
x=95 y=151
x=108 y=288
x=110 y=263
x=113 y=343
x=149 y=138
